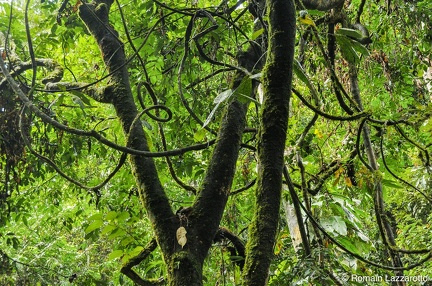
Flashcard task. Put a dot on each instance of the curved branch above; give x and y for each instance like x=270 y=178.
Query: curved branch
x=198 y=81
x=237 y=243
x=423 y=149
x=95 y=189
x=93 y=133
x=335 y=79
x=326 y=115
x=244 y=188
x=30 y=47
x=162 y=134
x=171 y=167
x=188 y=34
x=361 y=258
x=396 y=176
x=127 y=267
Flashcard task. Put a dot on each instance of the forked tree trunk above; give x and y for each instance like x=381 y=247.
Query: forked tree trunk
x=184 y=264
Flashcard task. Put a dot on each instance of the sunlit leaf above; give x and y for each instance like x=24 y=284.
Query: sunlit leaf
x=257 y=33
x=115 y=254
x=211 y=115
x=199 y=135
x=97 y=216
x=123 y=216
x=109 y=228
x=93 y=226
x=111 y=215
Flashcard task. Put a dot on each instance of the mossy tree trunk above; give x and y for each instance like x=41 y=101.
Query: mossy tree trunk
x=184 y=264
x=277 y=78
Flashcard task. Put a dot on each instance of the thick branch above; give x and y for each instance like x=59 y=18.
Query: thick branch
x=100 y=94
x=55 y=75
x=95 y=16
x=211 y=200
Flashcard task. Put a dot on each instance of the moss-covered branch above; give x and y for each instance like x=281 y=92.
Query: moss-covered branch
x=96 y=17
x=55 y=75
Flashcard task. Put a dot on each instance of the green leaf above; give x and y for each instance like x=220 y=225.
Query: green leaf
x=115 y=254
x=97 y=216
x=256 y=34
x=348 y=244
x=123 y=216
x=349 y=46
x=360 y=48
x=111 y=215
x=15 y=243
x=108 y=228
x=349 y=33
x=236 y=258
x=244 y=90
x=137 y=250
x=127 y=240
x=391 y=184
x=199 y=135
x=116 y=233
x=24 y=219
x=298 y=70
x=94 y=225
x=347 y=50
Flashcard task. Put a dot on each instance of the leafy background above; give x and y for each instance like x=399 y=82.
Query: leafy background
x=53 y=232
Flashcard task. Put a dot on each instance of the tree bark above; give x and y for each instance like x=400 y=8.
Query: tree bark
x=95 y=16
x=277 y=78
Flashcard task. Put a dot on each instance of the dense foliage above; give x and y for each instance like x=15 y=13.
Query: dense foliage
x=357 y=183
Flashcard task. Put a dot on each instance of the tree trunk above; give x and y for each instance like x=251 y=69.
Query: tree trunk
x=277 y=78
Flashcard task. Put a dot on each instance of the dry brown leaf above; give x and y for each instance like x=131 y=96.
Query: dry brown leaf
x=181 y=236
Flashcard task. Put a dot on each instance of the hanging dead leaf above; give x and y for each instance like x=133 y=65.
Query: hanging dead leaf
x=181 y=236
